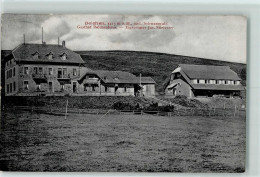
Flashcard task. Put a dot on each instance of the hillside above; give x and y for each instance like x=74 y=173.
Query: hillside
x=156 y=65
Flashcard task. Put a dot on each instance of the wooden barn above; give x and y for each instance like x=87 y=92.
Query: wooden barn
x=203 y=81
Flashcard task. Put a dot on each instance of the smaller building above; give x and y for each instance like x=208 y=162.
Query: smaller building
x=114 y=83
x=148 y=86
x=203 y=81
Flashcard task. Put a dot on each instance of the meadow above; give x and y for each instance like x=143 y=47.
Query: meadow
x=135 y=143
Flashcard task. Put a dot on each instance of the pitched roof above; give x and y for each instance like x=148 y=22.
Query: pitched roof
x=25 y=52
x=209 y=72
x=115 y=77
x=147 y=80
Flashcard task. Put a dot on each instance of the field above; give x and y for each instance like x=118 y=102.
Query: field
x=88 y=142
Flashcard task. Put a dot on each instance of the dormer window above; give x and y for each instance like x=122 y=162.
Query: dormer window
x=36 y=55
x=50 y=56
x=64 y=56
x=116 y=78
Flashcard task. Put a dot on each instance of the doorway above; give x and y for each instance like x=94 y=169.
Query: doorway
x=74 y=87
x=50 y=87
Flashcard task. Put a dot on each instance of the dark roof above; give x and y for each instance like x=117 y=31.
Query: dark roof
x=24 y=52
x=117 y=77
x=147 y=80
x=114 y=76
x=209 y=72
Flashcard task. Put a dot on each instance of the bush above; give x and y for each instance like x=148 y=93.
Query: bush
x=125 y=106
x=155 y=107
x=184 y=101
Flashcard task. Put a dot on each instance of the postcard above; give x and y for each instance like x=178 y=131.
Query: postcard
x=123 y=93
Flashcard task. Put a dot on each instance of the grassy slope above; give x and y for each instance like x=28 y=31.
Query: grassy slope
x=156 y=65
x=40 y=142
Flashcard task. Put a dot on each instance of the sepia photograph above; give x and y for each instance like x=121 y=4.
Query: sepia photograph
x=123 y=93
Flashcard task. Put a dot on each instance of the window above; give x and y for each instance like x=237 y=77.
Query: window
x=202 y=81
x=217 y=81
x=50 y=71
x=14 y=86
x=207 y=81
x=26 y=85
x=59 y=73
x=64 y=72
x=35 y=70
x=7 y=90
x=106 y=89
x=74 y=71
x=50 y=56
x=10 y=73
x=116 y=78
x=11 y=88
x=85 y=87
x=226 y=82
x=93 y=88
x=38 y=88
x=125 y=89
x=64 y=56
x=14 y=72
x=36 y=55
x=237 y=82
x=40 y=70
x=62 y=87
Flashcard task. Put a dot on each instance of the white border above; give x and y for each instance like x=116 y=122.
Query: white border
x=248 y=8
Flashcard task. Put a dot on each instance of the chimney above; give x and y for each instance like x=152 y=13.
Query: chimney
x=42 y=35
x=63 y=44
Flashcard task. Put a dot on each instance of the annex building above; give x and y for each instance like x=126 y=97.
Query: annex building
x=203 y=81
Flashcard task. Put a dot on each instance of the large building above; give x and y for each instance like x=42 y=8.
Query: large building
x=203 y=81
x=35 y=69
x=47 y=70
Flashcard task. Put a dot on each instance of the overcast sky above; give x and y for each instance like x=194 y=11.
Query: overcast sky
x=212 y=37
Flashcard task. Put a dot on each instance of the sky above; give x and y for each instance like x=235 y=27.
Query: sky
x=211 y=37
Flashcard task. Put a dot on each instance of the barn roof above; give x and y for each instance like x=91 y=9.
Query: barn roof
x=209 y=72
x=25 y=52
